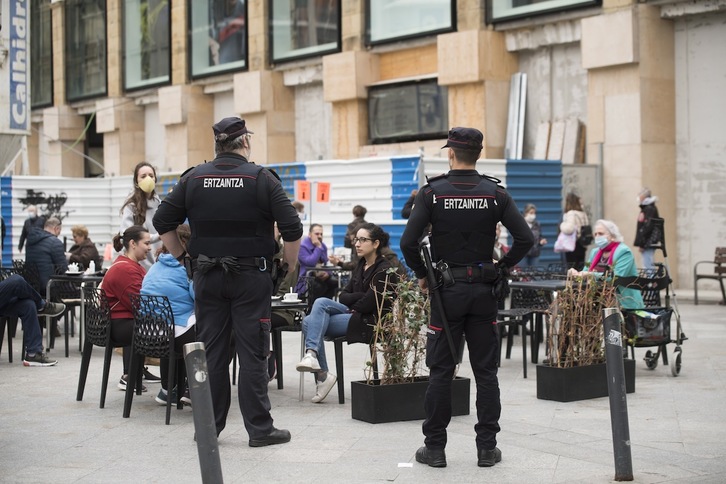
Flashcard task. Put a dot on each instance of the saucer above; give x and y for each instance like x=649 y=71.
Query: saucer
x=77 y=273
x=276 y=298
x=291 y=301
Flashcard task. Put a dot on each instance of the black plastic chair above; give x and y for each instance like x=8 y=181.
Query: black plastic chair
x=9 y=322
x=153 y=337
x=339 y=366
x=98 y=332
x=69 y=294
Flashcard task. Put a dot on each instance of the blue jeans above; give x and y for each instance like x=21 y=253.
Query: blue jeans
x=647 y=255
x=326 y=318
x=20 y=300
x=529 y=261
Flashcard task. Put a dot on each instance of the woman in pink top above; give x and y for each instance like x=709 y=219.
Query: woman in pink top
x=124 y=278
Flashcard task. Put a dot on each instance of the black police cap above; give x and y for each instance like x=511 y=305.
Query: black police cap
x=469 y=139
x=229 y=129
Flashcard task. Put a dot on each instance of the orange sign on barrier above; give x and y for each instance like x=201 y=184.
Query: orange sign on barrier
x=303 y=190
x=323 y=195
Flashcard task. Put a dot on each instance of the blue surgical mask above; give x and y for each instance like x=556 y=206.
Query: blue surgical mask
x=601 y=241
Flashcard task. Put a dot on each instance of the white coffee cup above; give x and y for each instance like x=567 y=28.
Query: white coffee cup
x=73 y=268
x=290 y=296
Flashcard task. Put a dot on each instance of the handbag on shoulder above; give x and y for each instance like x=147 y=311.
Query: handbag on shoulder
x=565 y=242
x=585 y=237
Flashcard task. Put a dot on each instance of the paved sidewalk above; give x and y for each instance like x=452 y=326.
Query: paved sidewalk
x=677 y=427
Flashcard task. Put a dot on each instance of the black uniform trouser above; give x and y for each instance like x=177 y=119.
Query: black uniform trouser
x=471 y=310
x=236 y=305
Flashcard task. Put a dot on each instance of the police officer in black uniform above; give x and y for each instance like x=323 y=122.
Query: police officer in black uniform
x=232 y=206
x=463 y=208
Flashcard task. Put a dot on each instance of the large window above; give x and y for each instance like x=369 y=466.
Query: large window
x=390 y=20
x=304 y=28
x=41 y=55
x=146 y=43
x=500 y=10
x=218 y=36
x=85 y=48
x=407 y=112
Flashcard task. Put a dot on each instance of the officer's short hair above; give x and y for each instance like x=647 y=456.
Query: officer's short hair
x=466 y=156
x=467 y=144
x=228 y=146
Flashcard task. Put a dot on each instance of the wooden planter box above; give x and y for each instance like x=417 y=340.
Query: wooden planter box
x=376 y=403
x=580 y=382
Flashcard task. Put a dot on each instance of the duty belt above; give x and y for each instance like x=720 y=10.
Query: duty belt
x=231 y=264
x=470 y=274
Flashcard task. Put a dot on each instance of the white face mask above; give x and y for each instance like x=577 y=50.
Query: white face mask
x=147 y=184
x=530 y=217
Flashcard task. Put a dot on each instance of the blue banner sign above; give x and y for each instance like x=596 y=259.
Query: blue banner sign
x=19 y=88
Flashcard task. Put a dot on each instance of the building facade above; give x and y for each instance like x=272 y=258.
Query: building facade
x=114 y=82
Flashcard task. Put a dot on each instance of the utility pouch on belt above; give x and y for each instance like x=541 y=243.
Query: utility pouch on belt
x=447 y=278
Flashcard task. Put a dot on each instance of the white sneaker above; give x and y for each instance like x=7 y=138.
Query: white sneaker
x=308 y=363
x=324 y=387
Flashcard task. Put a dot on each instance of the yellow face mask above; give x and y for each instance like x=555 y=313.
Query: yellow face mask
x=147 y=184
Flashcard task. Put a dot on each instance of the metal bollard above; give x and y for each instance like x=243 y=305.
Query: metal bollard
x=612 y=324
x=205 y=429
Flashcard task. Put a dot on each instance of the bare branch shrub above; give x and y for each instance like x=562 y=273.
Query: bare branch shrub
x=400 y=337
x=575 y=324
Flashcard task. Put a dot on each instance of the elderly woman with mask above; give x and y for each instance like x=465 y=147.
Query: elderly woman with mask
x=611 y=255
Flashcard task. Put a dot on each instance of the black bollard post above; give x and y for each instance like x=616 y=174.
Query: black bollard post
x=205 y=429
x=612 y=324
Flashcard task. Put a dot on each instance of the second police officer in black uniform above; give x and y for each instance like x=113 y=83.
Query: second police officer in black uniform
x=463 y=208
x=232 y=206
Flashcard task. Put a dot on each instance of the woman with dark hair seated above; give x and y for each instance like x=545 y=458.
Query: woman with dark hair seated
x=122 y=279
x=355 y=315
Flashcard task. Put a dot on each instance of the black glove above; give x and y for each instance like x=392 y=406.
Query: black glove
x=500 y=288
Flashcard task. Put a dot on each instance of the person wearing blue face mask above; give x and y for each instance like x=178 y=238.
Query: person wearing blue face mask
x=611 y=255
x=530 y=216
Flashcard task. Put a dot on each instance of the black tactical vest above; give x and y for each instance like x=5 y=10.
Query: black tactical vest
x=464 y=219
x=226 y=214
